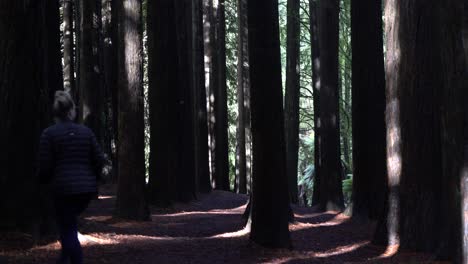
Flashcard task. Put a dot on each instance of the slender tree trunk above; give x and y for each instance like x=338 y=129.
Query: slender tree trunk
x=242 y=84
x=369 y=143
x=131 y=202
x=29 y=80
x=424 y=115
x=114 y=83
x=200 y=111
x=347 y=122
x=210 y=52
x=220 y=92
x=89 y=80
x=464 y=178
x=77 y=37
x=292 y=97
x=68 y=47
x=331 y=194
x=105 y=52
x=316 y=85
x=270 y=200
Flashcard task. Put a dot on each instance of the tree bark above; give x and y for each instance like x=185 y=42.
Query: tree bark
x=270 y=200
x=131 y=202
x=29 y=80
x=291 y=101
x=89 y=79
x=200 y=111
x=368 y=110
x=186 y=181
x=316 y=85
x=162 y=75
x=221 y=172
x=172 y=102
x=242 y=171
x=424 y=115
x=68 y=48
x=331 y=194
x=210 y=53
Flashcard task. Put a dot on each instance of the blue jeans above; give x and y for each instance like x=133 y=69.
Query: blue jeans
x=68 y=208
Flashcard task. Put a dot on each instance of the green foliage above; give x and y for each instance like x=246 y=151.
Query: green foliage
x=231 y=79
x=348 y=188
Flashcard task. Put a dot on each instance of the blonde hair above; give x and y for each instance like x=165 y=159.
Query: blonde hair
x=64 y=107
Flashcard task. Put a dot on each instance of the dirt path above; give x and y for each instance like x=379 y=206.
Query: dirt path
x=209 y=230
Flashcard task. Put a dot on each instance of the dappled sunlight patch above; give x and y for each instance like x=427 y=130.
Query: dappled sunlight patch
x=336 y=221
x=235 y=211
x=106 y=197
x=243 y=232
x=340 y=250
x=317 y=255
x=391 y=251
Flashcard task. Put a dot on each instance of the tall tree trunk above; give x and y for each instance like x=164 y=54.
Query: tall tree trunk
x=162 y=72
x=113 y=83
x=89 y=79
x=109 y=79
x=291 y=101
x=424 y=115
x=200 y=110
x=131 y=202
x=464 y=179
x=210 y=52
x=77 y=37
x=331 y=194
x=316 y=85
x=369 y=143
x=270 y=200
x=242 y=171
x=68 y=47
x=221 y=175
x=185 y=180
x=171 y=94
x=29 y=79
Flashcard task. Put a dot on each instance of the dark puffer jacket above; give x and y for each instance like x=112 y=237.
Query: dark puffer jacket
x=70 y=158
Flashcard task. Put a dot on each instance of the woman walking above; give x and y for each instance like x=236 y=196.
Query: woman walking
x=71 y=160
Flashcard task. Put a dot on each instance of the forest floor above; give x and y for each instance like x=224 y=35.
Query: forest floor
x=208 y=230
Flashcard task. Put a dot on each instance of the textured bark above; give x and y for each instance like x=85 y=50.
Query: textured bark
x=68 y=47
x=369 y=142
x=210 y=53
x=331 y=194
x=114 y=84
x=425 y=100
x=29 y=79
x=131 y=202
x=221 y=171
x=90 y=86
x=171 y=94
x=185 y=180
x=291 y=102
x=162 y=74
x=110 y=79
x=200 y=111
x=242 y=166
x=464 y=178
x=270 y=200
x=316 y=85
